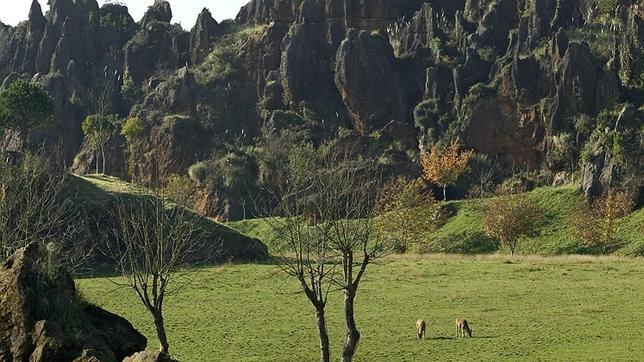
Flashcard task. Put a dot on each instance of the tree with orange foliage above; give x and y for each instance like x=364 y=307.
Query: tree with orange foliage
x=595 y=222
x=444 y=166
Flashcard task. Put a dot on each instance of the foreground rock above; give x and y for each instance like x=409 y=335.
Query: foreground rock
x=42 y=318
x=149 y=356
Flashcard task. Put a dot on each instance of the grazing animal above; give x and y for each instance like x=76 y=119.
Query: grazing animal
x=420 y=328
x=462 y=327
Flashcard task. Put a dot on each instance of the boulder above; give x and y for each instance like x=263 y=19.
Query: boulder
x=44 y=319
x=149 y=356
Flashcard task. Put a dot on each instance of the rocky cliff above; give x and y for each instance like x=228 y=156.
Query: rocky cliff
x=532 y=84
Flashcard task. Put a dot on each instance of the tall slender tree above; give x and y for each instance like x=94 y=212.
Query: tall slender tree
x=303 y=252
x=348 y=190
x=99 y=129
x=152 y=244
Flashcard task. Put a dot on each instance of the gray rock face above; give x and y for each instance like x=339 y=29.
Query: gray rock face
x=600 y=173
x=367 y=79
x=159 y=11
x=533 y=77
x=202 y=36
x=631 y=45
x=28 y=333
x=422 y=28
x=500 y=17
x=158 y=45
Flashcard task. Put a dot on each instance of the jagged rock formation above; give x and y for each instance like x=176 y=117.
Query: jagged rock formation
x=508 y=77
x=372 y=101
x=202 y=36
x=32 y=327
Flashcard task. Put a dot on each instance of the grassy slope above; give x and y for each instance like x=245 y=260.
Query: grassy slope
x=97 y=192
x=574 y=308
x=463 y=233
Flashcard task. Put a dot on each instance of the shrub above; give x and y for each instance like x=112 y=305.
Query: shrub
x=179 y=189
x=595 y=222
x=132 y=129
x=198 y=172
x=395 y=32
x=512 y=217
x=25 y=106
x=404 y=213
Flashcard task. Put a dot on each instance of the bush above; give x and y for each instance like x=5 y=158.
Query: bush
x=404 y=213
x=36 y=205
x=221 y=63
x=198 y=172
x=595 y=223
x=427 y=113
x=132 y=129
x=179 y=189
x=512 y=217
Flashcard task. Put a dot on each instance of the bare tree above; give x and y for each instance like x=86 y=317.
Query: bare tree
x=36 y=205
x=347 y=194
x=324 y=222
x=154 y=244
x=302 y=251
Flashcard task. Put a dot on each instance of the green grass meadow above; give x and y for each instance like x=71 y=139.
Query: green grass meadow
x=523 y=308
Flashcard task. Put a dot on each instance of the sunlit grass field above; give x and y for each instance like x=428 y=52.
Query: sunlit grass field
x=533 y=308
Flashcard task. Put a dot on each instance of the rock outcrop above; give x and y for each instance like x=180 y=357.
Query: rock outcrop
x=44 y=319
x=372 y=101
x=507 y=76
x=202 y=36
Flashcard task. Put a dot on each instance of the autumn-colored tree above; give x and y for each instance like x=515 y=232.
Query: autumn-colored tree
x=512 y=217
x=404 y=212
x=595 y=222
x=444 y=166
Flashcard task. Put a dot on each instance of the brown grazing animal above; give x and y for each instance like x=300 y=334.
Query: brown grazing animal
x=462 y=327
x=420 y=328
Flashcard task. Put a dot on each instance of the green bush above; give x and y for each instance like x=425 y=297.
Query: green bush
x=222 y=63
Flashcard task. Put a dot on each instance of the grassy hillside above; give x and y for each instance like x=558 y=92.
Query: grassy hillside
x=522 y=308
x=97 y=193
x=464 y=233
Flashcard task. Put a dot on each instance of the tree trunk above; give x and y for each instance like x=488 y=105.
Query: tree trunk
x=353 y=335
x=103 y=157
x=444 y=192
x=160 y=327
x=325 y=354
x=96 y=160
